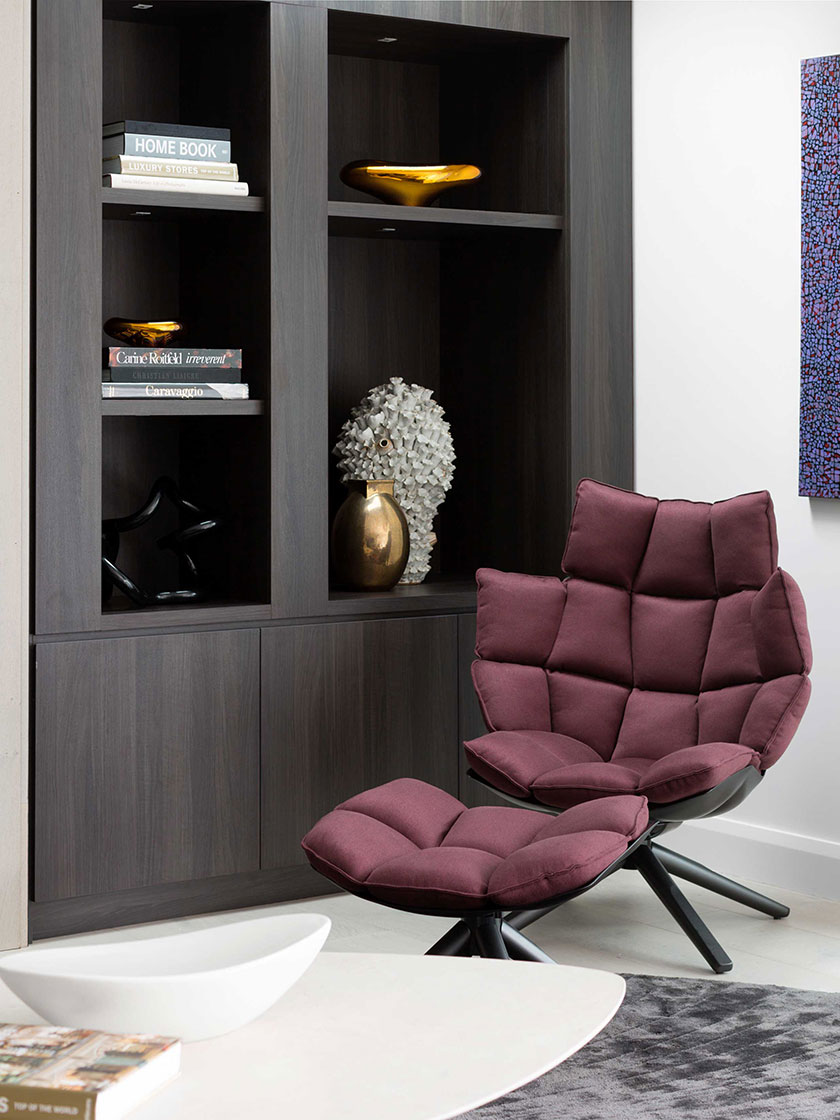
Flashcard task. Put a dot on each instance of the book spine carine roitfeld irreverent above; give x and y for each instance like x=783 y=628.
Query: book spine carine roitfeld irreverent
x=170 y=168
x=154 y=356
x=156 y=390
x=173 y=364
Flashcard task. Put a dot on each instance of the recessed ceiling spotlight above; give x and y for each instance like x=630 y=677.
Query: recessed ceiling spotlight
x=142 y=7
x=386 y=39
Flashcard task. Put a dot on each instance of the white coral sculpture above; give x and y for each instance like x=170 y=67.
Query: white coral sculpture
x=399 y=431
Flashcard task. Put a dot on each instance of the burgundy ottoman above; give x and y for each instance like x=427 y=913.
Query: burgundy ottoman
x=414 y=847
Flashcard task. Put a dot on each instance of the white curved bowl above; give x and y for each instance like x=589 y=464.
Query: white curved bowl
x=193 y=985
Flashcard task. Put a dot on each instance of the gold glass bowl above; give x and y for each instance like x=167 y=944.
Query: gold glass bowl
x=143 y=332
x=407 y=184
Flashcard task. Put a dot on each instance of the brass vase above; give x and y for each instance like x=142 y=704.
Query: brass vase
x=370 y=536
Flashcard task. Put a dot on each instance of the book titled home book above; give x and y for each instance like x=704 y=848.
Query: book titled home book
x=166 y=141
x=81 y=1074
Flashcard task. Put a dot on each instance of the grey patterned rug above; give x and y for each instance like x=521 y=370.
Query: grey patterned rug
x=696 y=1050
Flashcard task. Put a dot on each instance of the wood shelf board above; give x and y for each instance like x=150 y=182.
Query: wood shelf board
x=362 y=219
x=433 y=595
x=428 y=41
x=143 y=407
x=173 y=13
x=132 y=618
x=131 y=204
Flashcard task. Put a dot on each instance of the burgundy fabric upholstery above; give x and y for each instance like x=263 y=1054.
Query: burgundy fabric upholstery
x=409 y=844
x=674 y=654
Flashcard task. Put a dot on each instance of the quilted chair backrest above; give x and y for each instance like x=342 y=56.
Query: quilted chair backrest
x=674 y=626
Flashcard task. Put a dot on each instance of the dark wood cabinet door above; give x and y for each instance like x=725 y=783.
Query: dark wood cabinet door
x=147 y=761
x=347 y=706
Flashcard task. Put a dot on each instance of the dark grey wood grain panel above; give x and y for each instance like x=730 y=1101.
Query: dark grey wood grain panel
x=347 y=706
x=601 y=243
x=504 y=385
x=470 y=720
x=66 y=314
x=298 y=223
x=504 y=110
x=435 y=595
x=133 y=52
x=146 y=761
x=359 y=219
x=539 y=17
x=141 y=271
x=173 y=900
x=380 y=110
x=384 y=302
x=169 y=204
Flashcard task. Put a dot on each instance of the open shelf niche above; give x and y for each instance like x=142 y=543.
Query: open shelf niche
x=466 y=296
x=202 y=259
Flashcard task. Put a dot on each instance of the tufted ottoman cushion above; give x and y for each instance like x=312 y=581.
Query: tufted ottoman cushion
x=407 y=843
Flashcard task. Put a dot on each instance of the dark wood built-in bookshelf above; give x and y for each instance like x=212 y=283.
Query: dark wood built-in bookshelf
x=180 y=752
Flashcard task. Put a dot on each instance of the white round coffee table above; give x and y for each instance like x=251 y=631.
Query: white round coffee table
x=387 y=1037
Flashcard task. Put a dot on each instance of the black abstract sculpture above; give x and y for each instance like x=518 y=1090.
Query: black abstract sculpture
x=177 y=542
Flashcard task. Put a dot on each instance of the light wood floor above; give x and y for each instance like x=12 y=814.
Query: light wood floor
x=619 y=926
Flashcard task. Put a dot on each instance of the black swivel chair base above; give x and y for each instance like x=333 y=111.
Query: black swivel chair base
x=657 y=865
x=499 y=936
x=489 y=936
x=693 y=872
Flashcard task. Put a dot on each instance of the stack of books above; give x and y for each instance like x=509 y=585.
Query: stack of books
x=172 y=372
x=147 y=155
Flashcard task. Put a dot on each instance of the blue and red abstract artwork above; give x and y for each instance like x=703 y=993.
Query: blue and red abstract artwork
x=819 y=415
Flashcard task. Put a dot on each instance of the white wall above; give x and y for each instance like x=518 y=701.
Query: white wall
x=14 y=453
x=716 y=182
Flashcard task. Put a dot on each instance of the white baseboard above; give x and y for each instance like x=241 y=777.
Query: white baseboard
x=766 y=855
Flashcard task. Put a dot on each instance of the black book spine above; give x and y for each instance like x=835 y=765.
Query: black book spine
x=158 y=128
x=173 y=375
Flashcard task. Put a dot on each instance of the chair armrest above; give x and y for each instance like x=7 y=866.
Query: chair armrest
x=518 y=616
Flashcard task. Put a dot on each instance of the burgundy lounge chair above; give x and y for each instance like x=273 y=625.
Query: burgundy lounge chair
x=670 y=668
x=672 y=662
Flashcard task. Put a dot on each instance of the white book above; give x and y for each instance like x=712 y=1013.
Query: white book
x=188 y=186
x=161 y=391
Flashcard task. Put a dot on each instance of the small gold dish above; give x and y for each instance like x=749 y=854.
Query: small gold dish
x=143 y=332
x=407 y=184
